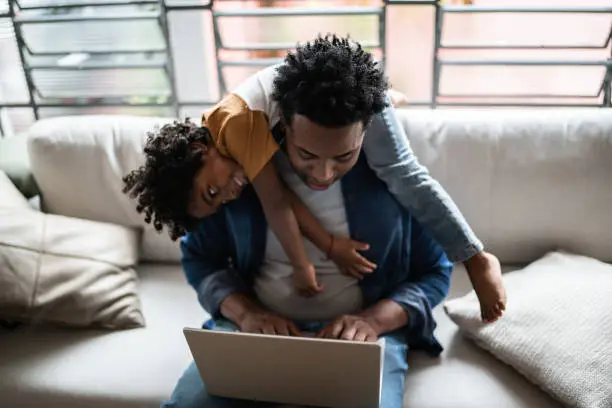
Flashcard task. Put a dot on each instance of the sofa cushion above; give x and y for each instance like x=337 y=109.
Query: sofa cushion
x=55 y=367
x=556 y=329
x=67 y=271
x=139 y=368
x=79 y=163
x=528 y=181
x=465 y=376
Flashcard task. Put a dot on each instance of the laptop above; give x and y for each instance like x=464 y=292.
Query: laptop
x=304 y=371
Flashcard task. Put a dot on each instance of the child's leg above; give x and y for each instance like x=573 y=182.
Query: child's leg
x=390 y=156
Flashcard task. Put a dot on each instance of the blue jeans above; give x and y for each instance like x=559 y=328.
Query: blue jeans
x=190 y=391
x=389 y=154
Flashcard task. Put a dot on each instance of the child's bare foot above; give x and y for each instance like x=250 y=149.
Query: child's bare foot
x=485 y=273
x=397 y=98
x=305 y=279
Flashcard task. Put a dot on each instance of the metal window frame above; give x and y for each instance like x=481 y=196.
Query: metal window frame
x=604 y=87
x=24 y=50
x=161 y=15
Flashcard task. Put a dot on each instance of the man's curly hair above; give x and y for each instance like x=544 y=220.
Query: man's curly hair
x=163 y=185
x=332 y=81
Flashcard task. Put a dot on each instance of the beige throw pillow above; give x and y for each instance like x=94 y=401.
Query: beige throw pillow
x=557 y=329
x=68 y=271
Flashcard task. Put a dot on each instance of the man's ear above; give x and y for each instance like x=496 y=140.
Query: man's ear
x=286 y=127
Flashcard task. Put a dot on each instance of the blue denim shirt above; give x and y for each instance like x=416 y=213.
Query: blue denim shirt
x=224 y=254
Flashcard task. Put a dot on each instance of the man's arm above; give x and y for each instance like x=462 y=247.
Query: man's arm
x=221 y=290
x=237 y=307
x=427 y=283
x=205 y=260
x=385 y=316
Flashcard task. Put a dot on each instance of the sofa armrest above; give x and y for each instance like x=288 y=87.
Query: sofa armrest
x=15 y=162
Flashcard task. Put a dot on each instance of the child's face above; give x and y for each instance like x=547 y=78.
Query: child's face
x=219 y=180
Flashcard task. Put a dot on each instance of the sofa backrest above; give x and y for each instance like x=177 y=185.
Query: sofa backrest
x=527 y=181
x=80 y=162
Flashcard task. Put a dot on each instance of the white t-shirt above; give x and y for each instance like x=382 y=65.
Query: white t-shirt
x=274 y=285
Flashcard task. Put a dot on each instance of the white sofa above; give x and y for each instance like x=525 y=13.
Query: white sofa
x=528 y=181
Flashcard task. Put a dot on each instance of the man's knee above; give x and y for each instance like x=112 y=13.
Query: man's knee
x=189 y=391
x=395 y=368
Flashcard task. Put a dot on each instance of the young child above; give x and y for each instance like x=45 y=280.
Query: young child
x=239 y=128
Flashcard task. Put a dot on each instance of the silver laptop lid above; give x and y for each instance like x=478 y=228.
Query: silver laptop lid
x=290 y=370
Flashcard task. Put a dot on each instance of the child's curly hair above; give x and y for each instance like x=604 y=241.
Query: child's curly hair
x=163 y=185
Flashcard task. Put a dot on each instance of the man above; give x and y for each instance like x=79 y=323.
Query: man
x=254 y=291
x=242 y=276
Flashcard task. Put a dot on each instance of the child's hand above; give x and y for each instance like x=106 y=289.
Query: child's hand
x=305 y=279
x=344 y=254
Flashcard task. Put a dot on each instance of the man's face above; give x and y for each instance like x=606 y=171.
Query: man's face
x=321 y=155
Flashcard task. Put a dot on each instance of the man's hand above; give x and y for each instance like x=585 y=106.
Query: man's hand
x=350 y=327
x=260 y=321
x=380 y=318
x=344 y=253
x=251 y=317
